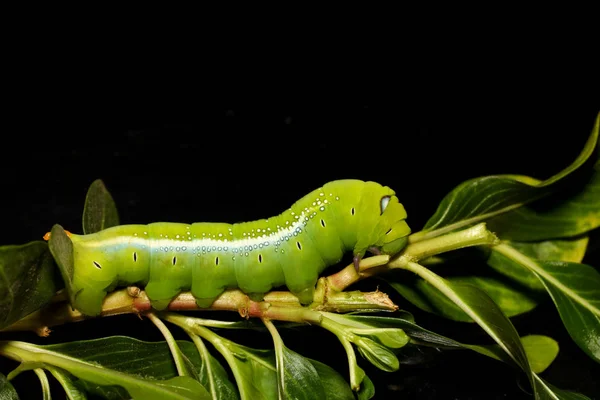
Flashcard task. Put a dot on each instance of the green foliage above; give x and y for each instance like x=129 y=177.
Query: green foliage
x=27 y=280
x=543 y=226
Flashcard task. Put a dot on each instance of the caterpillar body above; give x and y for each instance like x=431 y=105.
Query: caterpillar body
x=290 y=249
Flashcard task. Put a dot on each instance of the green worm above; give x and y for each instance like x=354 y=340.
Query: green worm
x=290 y=249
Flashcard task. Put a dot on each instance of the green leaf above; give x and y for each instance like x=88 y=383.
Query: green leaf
x=149 y=359
x=297 y=378
x=575 y=290
x=7 y=391
x=511 y=298
x=27 y=280
x=558 y=249
x=571 y=249
x=72 y=391
x=367 y=389
x=99 y=211
x=577 y=211
x=541 y=351
x=300 y=378
x=61 y=247
x=143 y=387
x=212 y=374
x=254 y=370
x=334 y=385
x=482 y=198
x=480 y=307
x=544 y=390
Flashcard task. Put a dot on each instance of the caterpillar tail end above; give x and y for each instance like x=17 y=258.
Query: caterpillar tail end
x=47 y=235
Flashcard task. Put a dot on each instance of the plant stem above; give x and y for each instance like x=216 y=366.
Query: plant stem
x=41 y=374
x=175 y=351
x=206 y=363
x=476 y=235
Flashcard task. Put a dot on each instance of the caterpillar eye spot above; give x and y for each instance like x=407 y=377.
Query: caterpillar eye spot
x=134 y=256
x=385 y=200
x=260 y=258
x=174 y=260
x=323 y=223
x=352 y=211
x=97 y=265
x=299 y=245
x=217 y=261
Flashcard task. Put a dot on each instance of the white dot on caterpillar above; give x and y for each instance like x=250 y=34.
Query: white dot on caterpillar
x=337 y=198
x=246 y=254
x=314 y=203
x=322 y=208
x=321 y=194
x=177 y=237
x=220 y=235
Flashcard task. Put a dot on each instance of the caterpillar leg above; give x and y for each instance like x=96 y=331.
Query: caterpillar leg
x=205 y=303
x=306 y=296
x=88 y=301
x=161 y=294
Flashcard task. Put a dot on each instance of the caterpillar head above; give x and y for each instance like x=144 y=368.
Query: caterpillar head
x=382 y=223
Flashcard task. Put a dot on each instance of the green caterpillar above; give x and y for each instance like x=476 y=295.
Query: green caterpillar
x=290 y=249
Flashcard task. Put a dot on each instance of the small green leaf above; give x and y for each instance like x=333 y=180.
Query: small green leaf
x=482 y=198
x=334 y=385
x=575 y=290
x=541 y=351
x=378 y=355
x=7 y=391
x=27 y=280
x=367 y=389
x=99 y=211
x=61 y=247
x=301 y=379
x=391 y=338
x=72 y=391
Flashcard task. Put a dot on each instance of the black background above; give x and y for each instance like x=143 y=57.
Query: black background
x=239 y=145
